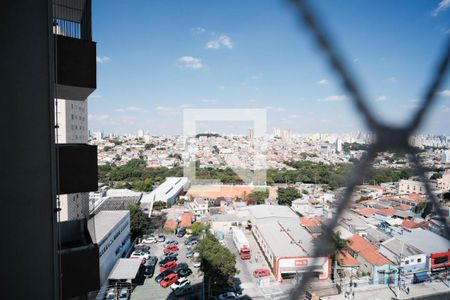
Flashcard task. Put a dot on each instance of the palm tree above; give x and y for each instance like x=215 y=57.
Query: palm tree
x=339 y=246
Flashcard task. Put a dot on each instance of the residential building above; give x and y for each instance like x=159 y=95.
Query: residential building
x=410 y=258
x=411 y=187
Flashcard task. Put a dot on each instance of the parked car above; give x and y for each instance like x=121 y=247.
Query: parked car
x=168 y=280
x=181 y=232
x=163 y=275
x=228 y=295
x=140 y=254
x=149 y=271
x=150 y=239
x=261 y=272
x=168 y=265
x=124 y=295
x=151 y=261
x=161 y=238
x=170 y=242
x=142 y=247
x=179 y=283
x=197 y=264
x=192 y=244
x=167 y=258
x=190 y=253
x=111 y=294
x=190 y=239
x=180 y=266
x=170 y=248
x=184 y=272
x=184 y=291
x=420 y=277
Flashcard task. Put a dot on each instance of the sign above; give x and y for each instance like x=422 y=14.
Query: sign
x=301 y=262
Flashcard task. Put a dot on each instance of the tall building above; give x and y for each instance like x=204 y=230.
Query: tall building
x=250 y=133
x=286 y=134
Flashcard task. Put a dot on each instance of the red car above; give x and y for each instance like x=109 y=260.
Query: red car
x=261 y=272
x=170 y=248
x=168 y=280
x=168 y=265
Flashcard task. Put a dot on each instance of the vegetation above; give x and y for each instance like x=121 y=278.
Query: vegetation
x=259 y=197
x=207 y=135
x=197 y=227
x=158 y=205
x=217 y=263
x=137 y=176
x=347 y=147
x=149 y=146
x=138 y=221
x=287 y=195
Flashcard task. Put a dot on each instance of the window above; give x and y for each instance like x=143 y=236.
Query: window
x=406 y=262
x=419 y=260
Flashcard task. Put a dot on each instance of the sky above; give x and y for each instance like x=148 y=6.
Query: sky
x=155 y=59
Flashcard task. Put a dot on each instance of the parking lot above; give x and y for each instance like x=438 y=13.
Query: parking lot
x=152 y=290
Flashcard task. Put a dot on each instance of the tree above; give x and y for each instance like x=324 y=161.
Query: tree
x=197 y=227
x=287 y=195
x=158 y=205
x=149 y=146
x=259 y=197
x=138 y=222
x=217 y=262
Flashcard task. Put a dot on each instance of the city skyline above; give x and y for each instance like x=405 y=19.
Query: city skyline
x=227 y=55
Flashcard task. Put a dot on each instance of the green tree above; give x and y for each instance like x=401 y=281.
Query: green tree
x=149 y=146
x=217 y=263
x=258 y=196
x=158 y=205
x=338 y=247
x=287 y=195
x=138 y=222
x=197 y=227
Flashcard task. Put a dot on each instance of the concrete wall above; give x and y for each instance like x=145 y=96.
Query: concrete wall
x=27 y=157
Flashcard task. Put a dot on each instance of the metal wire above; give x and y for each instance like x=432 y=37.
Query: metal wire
x=387 y=138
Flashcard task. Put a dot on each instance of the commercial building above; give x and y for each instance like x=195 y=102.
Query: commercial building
x=287 y=246
x=410 y=258
x=110 y=230
x=411 y=187
x=436 y=247
x=167 y=192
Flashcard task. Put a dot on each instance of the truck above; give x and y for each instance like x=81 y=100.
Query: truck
x=242 y=244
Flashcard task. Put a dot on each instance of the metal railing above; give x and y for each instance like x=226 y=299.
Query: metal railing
x=72 y=18
x=387 y=138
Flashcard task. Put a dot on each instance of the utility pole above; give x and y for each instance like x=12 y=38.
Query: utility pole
x=399 y=271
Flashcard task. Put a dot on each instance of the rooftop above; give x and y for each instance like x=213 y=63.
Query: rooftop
x=105 y=221
x=424 y=240
x=364 y=248
x=125 y=269
x=398 y=248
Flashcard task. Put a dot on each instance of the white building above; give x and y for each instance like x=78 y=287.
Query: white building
x=110 y=230
x=71 y=118
x=167 y=192
x=287 y=246
x=411 y=187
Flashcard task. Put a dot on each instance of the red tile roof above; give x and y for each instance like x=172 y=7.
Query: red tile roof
x=366 y=211
x=311 y=222
x=170 y=224
x=186 y=219
x=387 y=211
x=346 y=260
x=409 y=224
x=365 y=249
x=403 y=207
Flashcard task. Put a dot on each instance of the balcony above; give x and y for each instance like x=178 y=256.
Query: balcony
x=76 y=68
x=78 y=171
x=75 y=52
x=79 y=260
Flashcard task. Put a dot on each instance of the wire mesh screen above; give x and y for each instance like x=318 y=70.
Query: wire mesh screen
x=387 y=138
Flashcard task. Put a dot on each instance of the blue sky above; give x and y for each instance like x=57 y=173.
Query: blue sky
x=156 y=58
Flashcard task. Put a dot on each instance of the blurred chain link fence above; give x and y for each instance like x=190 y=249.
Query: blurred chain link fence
x=387 y=138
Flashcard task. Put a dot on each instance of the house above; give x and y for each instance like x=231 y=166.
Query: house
x=380 y=269
x=411 y=259
x=186 y=220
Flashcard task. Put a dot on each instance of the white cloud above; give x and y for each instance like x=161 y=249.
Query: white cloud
x=98 y=117
x=103 y=59
x=256 y=76
x=219 y=42
x=381 y=98
x=209 y=100
x=443 y=5
x=444 y=93
x=131 y=109
x=198 y=30
x=334 y=98
x=190 y=62
x=322 y=82
x=95 y=96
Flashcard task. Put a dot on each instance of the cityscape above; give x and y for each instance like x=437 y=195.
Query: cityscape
x=199 y=150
